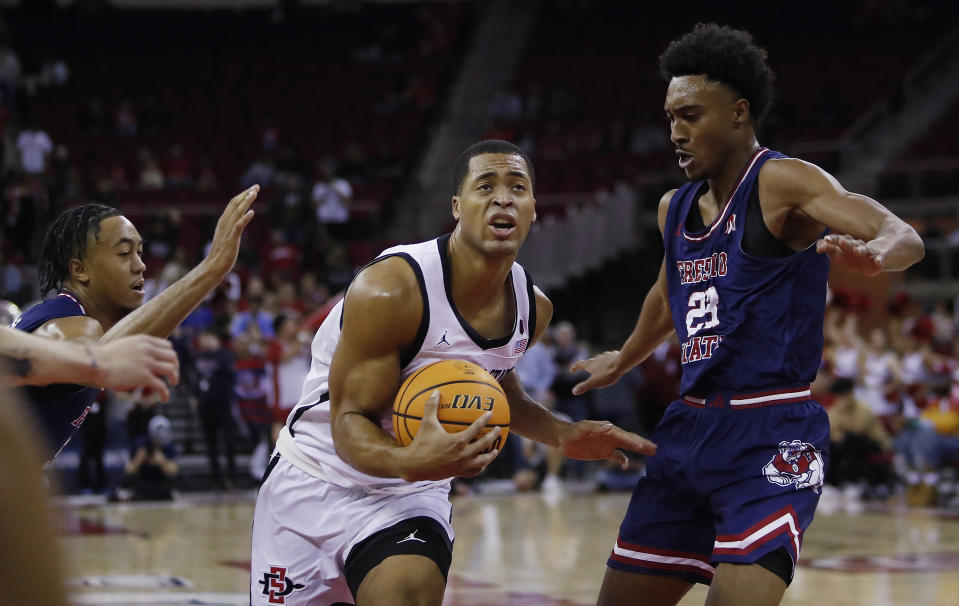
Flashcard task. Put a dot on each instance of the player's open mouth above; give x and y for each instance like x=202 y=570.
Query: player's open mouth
x=503 y=225
x=685 y=159
x=138 y=288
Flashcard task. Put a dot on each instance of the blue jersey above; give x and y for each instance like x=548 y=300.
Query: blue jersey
x=59 y=408
x=744 y=323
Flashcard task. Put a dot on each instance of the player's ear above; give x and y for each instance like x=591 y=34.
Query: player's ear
x=456 y=207
x=534 y=210
x=79 y=271
x=740 y=113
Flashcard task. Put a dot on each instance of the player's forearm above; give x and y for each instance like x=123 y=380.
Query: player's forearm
x=32 y=360
x=532 y=420
x=654 y=325
x=898 y=244
x=168 y=309
x=364 y=445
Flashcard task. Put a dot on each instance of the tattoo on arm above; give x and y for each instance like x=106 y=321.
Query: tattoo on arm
x=93 y=360
x=17 y=362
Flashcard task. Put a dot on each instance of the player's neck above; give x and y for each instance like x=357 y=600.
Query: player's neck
x=475 y=274
x=104 y=313
x=721 y=186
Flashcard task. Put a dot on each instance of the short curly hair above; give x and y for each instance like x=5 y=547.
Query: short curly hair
x=724 y=55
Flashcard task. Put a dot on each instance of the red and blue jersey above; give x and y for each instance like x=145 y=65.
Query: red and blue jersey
x=59 y=408
x=744 y=323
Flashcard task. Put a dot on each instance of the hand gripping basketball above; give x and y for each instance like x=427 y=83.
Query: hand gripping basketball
x=435 y=454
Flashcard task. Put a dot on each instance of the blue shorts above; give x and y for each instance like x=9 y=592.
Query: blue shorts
x=735 y=478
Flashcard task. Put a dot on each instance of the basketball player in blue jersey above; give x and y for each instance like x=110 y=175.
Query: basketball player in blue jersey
x=345 y=514
x=743 y=452
x=91 y=256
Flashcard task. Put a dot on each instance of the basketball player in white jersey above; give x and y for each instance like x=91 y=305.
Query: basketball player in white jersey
x=345 y=515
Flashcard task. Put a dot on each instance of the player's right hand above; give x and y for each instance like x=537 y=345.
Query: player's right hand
x=602 y=371
x=229 y=229
x=435 y=454
x=137 y=361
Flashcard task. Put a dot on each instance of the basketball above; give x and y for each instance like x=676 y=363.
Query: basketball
x=466 y=392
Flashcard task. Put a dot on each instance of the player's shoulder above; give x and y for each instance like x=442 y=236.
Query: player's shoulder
x=663 y=210
x=784 y=174
x=387 y=290
x=64 y=313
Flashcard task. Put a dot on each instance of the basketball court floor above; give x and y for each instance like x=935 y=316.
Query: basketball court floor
x=518 y=550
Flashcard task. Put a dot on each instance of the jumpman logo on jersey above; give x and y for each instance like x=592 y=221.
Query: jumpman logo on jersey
x=412 y=537
x=731 y=224
x=443 y=339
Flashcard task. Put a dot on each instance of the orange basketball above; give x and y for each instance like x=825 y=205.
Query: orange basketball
x=466 y=392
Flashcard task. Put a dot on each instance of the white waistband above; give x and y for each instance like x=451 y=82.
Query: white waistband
x=288 y=450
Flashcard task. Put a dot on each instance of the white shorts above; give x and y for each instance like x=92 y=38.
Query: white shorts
x=304 y=529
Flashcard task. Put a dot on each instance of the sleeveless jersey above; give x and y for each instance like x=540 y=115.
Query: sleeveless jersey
x=744 y=323
x=443 y=335
x=59 y=408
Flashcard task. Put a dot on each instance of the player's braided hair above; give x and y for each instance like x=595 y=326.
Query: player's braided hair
x=66 y=239
x=725 y=55
x=490 y=146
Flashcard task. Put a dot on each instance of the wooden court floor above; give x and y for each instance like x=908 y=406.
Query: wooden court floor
x=522 y=550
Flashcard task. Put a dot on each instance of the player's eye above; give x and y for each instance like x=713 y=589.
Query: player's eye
x=484 y=187
x=520 y=187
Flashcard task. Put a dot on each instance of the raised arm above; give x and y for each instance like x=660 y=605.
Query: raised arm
x=126 y=364
x=167 y=310
x=654 y=325
x=381 y=316
x=869 y=238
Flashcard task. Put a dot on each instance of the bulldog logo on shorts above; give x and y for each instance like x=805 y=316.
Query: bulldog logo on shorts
x=798 y=463
x=277 y=585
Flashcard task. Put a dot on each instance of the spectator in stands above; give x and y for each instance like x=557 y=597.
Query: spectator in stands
x=312 y=292
x=331 y=198
x=281 y=257
x=206 y=179
x=857 y=442
x=151 y=177
x=261 y=170
x=178 y=168
x=289 y=363
x=125 y=119
x=216 y=377
x=34 y=146
x=252 y=390
x=152 y=469
x=567 y=351
x=255 y=313
x=9 y=75
x=92 y=119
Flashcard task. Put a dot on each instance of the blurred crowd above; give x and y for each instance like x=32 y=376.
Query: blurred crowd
x=891 y=388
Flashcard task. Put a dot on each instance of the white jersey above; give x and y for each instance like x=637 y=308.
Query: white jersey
x=444 y=335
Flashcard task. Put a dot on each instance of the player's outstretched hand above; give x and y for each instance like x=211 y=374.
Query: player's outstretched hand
x=229 y=229
x=595 y=440
x=602 y=372
x=435 y=454
x=851 y=253
x=138 y=361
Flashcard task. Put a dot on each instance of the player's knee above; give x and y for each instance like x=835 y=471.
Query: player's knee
x=414 y=582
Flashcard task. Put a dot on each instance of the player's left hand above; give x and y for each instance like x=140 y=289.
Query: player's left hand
x=595 y=440
x=851 y=253
x=229 y=229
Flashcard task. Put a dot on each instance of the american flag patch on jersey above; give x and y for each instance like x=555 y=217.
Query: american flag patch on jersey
x=520 y=346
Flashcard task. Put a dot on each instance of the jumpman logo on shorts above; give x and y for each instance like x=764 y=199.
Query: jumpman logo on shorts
x=412 y=537
x=443 y=339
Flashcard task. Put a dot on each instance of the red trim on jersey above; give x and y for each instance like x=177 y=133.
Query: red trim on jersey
x=661 y=565
x=782 y=528
x=672 y=553
x=64 y=293
x=720 y=220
